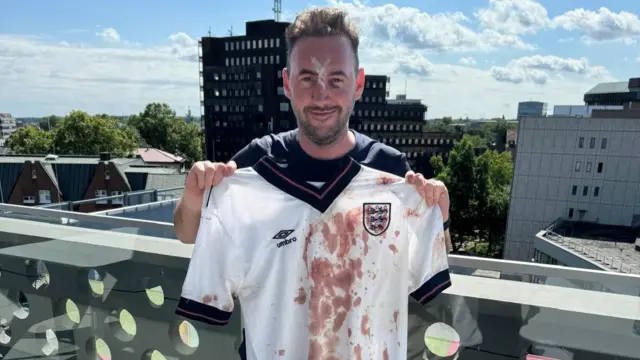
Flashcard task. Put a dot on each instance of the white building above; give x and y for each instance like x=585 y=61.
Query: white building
x=575 y=168
x=7 y=127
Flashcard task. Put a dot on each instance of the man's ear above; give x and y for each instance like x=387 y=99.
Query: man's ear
x=285 y=83
x=360 y=83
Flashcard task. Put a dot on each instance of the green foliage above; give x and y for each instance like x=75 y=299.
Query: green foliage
x=79 y=133
x=159 y=126
x=30 y=140
x=479 y=192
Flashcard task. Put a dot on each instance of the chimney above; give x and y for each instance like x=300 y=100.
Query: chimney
x=105 y=156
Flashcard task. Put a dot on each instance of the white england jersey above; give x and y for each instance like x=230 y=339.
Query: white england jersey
x=321 y=272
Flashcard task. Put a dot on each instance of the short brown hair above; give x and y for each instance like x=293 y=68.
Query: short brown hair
x=319 y=22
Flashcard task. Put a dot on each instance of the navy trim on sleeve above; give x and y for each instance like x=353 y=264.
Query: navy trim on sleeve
x=446 y=224
x=200 y=312
x=434 y=286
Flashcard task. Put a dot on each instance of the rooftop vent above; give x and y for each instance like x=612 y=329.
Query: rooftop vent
x=51 y=157
x=105 y=156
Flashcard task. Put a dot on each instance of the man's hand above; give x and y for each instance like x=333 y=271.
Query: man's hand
x=202 y=176
x=432 y=191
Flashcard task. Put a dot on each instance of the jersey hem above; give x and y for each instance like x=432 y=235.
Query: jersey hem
x=432 y=287
x=200 y=312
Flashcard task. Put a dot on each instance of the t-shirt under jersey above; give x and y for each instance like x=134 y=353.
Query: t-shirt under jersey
x=321 y=272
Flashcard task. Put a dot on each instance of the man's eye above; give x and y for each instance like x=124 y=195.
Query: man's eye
x=307 y=78
x=337 y=82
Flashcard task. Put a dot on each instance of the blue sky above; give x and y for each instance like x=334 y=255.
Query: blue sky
x=474 y=58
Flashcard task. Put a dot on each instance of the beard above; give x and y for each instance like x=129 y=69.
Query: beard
x=323 y=137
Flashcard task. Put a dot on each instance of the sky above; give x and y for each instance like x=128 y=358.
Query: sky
x=463 y=58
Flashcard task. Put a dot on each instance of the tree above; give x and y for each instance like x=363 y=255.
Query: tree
x=47 y=123
x=30 y=140
x=160 y=128
x=82 y=134
x=479 y=192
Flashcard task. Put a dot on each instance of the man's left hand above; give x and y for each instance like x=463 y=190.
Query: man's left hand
x=432 y=191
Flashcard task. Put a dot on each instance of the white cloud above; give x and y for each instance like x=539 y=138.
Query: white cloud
x=513 y=16
x=600 y=26
x=109 y=35
x=536 y=69
x=419 y=30
x=56 y=78
x=468 y=61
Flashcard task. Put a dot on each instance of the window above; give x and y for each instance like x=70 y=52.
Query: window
x=574 y=190
x=28 y=199
x=44 y=196
x=280 y=90
x=101 y=194
x=284 y=106
x=585 y=190
x=258 y=75
x=596 y=191
x=260 y=108
x=119 y=200
x=592 y=143
x=278 y=42
x=578 y=165
x=599 y=167
x=589 y=166
x=581 y=142
x=277 y=59
x=226 y=46
x=603 y=145
x=279 y=74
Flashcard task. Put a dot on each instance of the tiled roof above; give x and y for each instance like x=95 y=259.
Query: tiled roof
x=152 y=155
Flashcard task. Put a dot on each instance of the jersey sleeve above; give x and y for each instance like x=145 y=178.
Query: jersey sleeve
x=214 y=275
x=428 y=265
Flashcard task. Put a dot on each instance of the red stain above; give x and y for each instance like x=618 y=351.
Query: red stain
x=330 y=296
x=365 y=240
x=207 y=299
x=227 y=307
x=393 y=248
x=281 y=352
x=395 y=318
x=349 y=332
x=397 y=233
x=358 y=351
x=302 y=296
x=215 y=297
x=386 y=180
x=357 y=302
x=364 y=325
x=411 y=213
x=385 y=354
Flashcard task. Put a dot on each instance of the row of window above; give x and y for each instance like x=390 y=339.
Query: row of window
x=585 y=190
x=592 y=143
x=105 y=193
x=374 y=85
x=266 y=59
x=387 y=113
x=373 y=99
x=413 y=141
x=251 y=44
x=44 y=197
x=390 y=127
x=284 y=107
x=588 y=166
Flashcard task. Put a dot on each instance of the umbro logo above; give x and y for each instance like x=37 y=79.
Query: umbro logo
x=282 y=235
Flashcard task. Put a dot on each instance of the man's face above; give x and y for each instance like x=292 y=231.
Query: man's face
x=323 y=84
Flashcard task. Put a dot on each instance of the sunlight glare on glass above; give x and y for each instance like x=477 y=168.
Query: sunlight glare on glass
x=441 y=339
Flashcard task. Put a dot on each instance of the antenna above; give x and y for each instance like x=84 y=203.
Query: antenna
x=277 y=9
x=231 y=31
x=209 y=32
x=405 y=87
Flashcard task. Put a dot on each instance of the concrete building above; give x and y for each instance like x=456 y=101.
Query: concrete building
x=531 y=108
x=8 y=126
x=582 y=110
x=573 y=169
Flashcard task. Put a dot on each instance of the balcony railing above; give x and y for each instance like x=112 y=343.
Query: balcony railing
x=71 y=292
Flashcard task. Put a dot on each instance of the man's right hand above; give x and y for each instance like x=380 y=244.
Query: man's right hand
x=203 y=175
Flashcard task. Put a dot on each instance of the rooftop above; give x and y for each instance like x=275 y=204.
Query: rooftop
x=610 y=88
x=70 y=290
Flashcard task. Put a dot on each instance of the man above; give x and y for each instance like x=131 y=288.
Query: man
x=323 y=81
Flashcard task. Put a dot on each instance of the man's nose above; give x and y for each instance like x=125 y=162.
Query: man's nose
x=320 y=91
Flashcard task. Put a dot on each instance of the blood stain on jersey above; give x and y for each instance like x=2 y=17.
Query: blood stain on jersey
x=376 y=217
x=301 y=298
x=385 y=179
x=281 y=352
x=397 y=233
x=393 y=248
x=395 y=318
x=206 y=299
x=358 y=351
x=364 y=325
x=385 y=354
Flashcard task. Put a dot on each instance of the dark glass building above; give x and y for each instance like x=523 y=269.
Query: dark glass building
x=621 y=93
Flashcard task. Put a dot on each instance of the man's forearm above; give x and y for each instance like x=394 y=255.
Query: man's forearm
x=186 y=223
x=447 y=239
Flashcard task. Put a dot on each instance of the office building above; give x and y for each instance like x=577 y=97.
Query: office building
x=577 y=169
x=531 y=108
x=241 y=88
x=8 y=126
x=620 y=93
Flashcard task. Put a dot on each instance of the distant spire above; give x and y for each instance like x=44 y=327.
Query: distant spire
x=231 y=31
x=209 y=32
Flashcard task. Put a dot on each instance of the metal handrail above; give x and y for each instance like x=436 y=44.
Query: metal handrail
x=590 y=252
x=71 y=204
